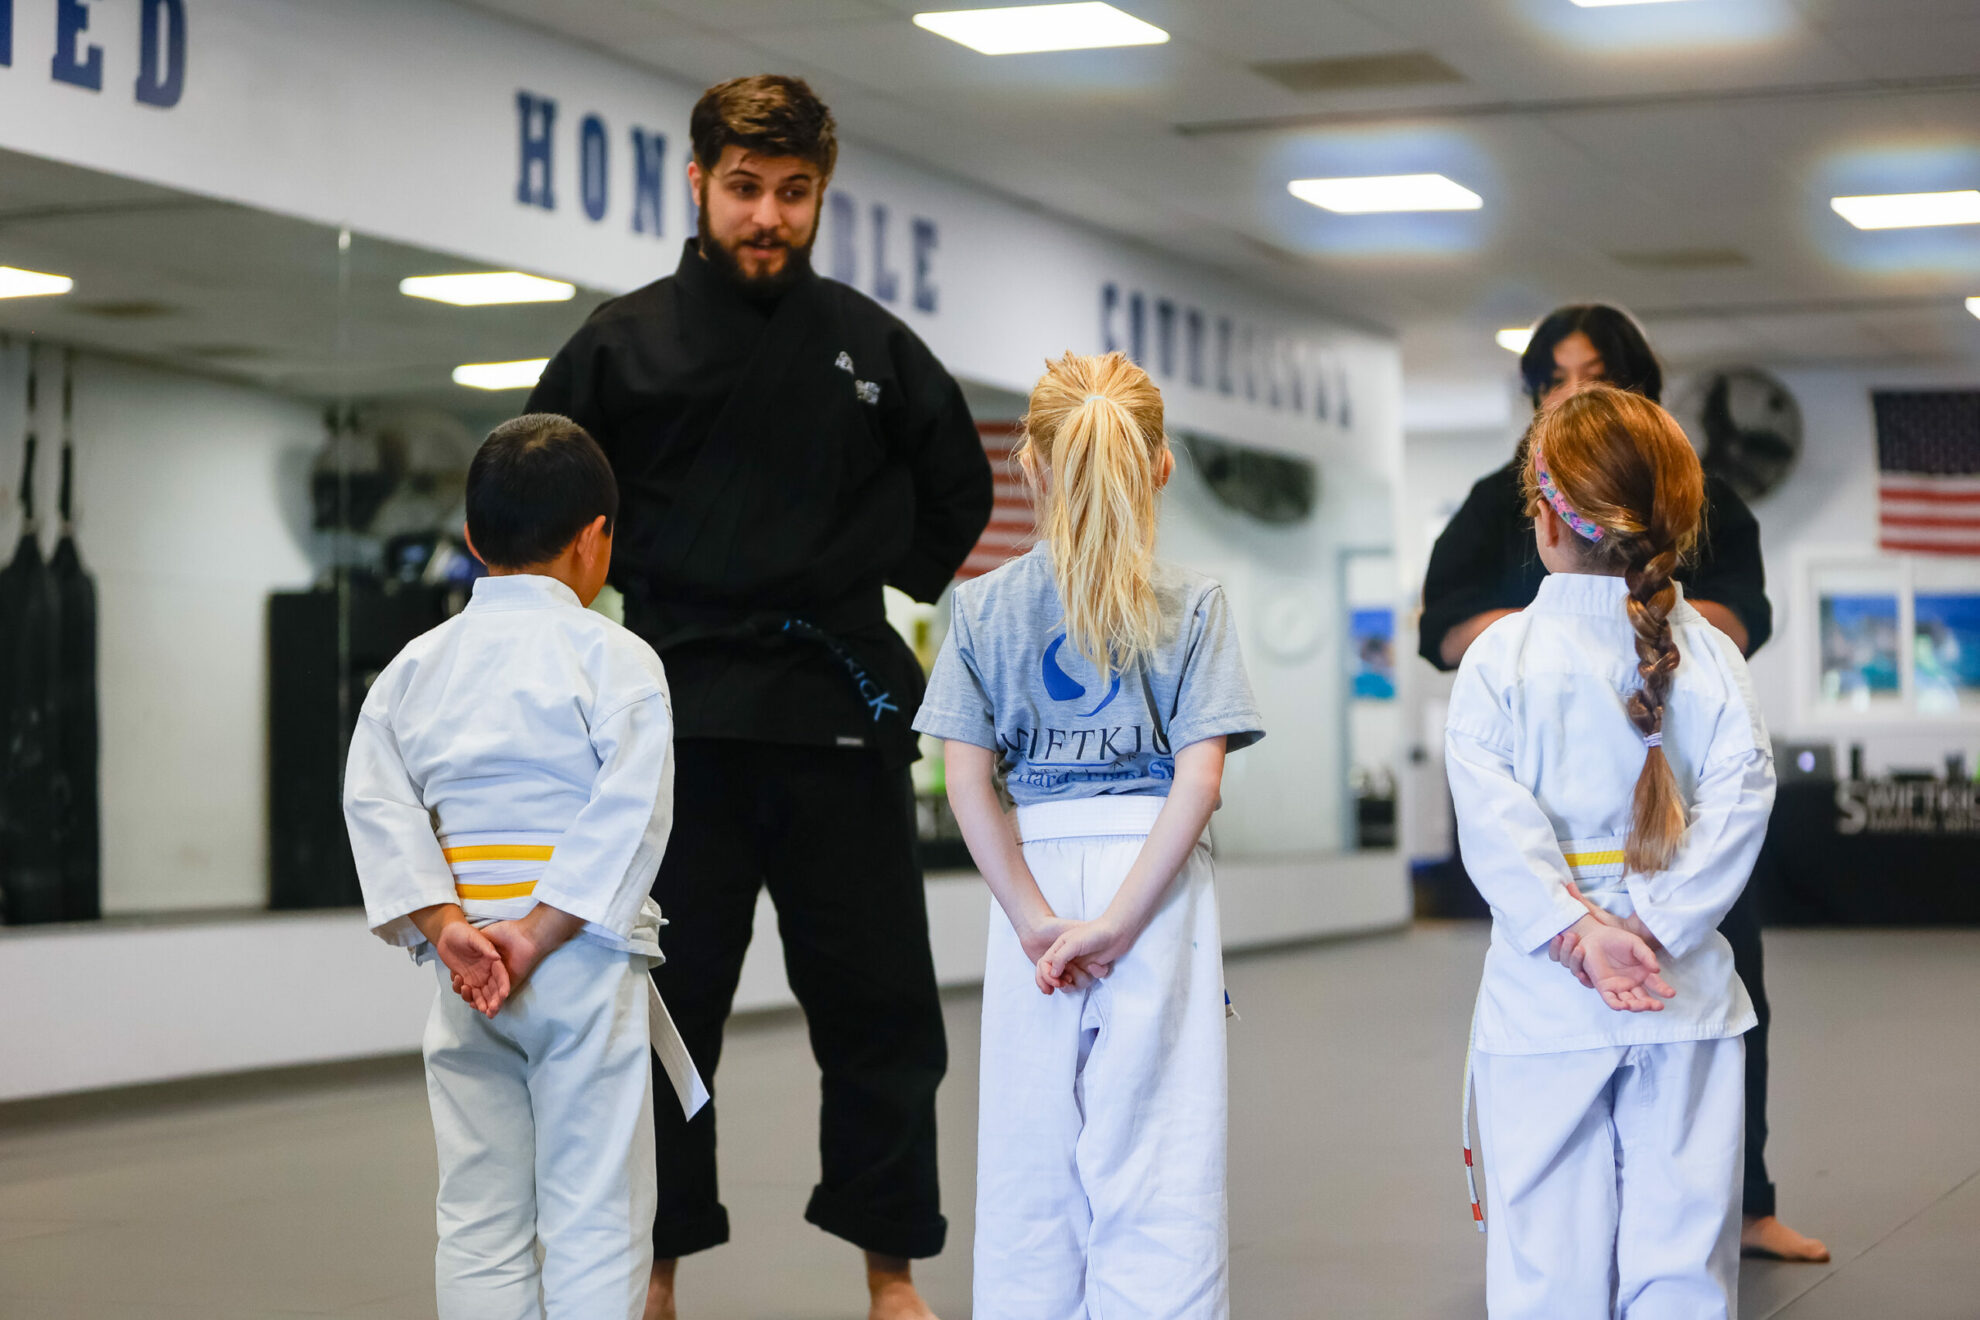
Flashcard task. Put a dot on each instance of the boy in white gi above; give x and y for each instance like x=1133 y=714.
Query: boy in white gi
x=1109 y=687
x=508 y=796
x=1612 y=781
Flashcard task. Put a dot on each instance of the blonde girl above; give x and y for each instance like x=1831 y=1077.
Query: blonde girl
x=1106 y=686
x=1612 y=780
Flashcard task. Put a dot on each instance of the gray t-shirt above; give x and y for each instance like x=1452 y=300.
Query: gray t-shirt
x=1009 y=680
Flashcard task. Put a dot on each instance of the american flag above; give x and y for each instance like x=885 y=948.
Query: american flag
x=1009 y=532
x=1928 y=460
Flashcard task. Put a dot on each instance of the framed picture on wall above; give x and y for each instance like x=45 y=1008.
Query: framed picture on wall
x=1889 y=637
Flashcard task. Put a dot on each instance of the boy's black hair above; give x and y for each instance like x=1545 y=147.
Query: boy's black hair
x=1627 y=362
x=535 y=483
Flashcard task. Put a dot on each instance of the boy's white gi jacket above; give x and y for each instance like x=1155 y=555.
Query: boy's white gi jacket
x=520 y=753
x=1543 y=764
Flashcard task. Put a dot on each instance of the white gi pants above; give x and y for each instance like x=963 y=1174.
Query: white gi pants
x=544 y=1121
x=1101 y=1129
x=1612 y=1181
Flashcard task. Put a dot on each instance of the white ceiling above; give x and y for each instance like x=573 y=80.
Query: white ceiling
x=1706 y=124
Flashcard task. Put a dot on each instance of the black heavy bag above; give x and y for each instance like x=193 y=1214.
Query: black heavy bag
x=32 y=780
x=77 y=821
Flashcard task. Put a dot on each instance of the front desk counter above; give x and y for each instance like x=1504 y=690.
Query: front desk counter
x=1872 y=852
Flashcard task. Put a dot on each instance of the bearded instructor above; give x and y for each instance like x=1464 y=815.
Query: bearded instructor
x=784 y=447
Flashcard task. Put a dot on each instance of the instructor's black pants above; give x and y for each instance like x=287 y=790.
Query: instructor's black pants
x=831 y=832
x=1742 y=930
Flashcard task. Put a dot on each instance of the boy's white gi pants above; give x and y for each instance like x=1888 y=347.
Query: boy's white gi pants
x=1612 y=1181
x=1101 y=1132
x=543 y=1117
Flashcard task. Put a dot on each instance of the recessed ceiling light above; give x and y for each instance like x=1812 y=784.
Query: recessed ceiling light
x=1973 y=305
x=487 y=288
x=1386 y=192
x=501 y=375
x=1909 y=210
x=31 y=284
x=1023 y=29
x=1514 y=340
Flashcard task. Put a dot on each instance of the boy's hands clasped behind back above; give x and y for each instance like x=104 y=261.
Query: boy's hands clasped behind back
x=490 y=963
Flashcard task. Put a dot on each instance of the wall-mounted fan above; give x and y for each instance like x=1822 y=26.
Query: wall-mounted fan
x=1747 y=427
x=1272 y=488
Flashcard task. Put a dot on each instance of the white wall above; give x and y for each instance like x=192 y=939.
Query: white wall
x=191 y=505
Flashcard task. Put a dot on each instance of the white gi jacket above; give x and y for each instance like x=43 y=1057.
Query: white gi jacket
x=1543 y=763
x=520 y=753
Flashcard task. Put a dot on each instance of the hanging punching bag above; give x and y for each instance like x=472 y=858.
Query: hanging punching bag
x=32 y=781
x=78 y=822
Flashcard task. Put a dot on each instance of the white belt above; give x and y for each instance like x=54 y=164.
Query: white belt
x=673 y=1052
x=1111 y=814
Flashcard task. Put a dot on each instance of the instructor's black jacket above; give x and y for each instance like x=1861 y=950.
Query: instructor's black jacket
x=778 y=461
x=1486 y=560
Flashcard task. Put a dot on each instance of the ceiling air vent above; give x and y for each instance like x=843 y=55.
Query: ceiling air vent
x=1356 y=73
x=126 y=311
x=1683 y=259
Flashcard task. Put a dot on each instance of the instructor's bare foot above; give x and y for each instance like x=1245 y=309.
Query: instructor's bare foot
x=890 y=1281
x=660 y=1292
x=1768 y=1237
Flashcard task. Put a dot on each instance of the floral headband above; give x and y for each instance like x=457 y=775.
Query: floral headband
x=1583 y=528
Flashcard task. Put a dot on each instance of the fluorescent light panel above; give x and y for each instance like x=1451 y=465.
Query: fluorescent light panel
x=1024 y=29
x=1611 y=4
x=15 y=283
x=1514 y=340
x=1909 y=210
x=501 y=375
x=1973 y=305
x=487 y=288
x=1386 y=192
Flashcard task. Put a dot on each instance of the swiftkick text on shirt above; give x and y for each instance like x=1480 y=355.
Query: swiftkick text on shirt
x=1033 y=751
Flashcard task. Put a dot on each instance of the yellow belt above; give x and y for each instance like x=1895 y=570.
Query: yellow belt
x=1613 y=858
x=499 y=852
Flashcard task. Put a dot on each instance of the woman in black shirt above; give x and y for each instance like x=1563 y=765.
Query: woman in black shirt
x=1485 y=567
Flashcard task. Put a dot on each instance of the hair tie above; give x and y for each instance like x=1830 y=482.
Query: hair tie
x=1545 y=480
x=1654 y=739
x=1094 y=398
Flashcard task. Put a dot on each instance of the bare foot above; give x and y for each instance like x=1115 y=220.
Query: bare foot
x=1770 y=1239
x=660 y=1291
x=890 y=1281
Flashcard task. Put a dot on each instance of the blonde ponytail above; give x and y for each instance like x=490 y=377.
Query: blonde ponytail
x=1091 y=449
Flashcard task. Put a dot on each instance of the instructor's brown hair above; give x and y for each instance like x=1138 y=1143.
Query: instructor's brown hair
x=767 y=114
x=1624 y=464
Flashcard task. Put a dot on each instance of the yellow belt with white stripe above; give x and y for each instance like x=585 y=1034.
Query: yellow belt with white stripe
x=498 y=852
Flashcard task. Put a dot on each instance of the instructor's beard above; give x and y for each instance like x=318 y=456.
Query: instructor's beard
x=797 y=260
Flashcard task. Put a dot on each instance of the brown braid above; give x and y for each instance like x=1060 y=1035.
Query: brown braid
x=1621 y=461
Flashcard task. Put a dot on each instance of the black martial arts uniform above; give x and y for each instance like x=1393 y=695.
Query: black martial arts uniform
x=1486 y=560
x=779 y=460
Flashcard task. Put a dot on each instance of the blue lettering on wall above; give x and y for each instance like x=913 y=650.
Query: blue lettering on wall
x=594 y=159
x=845 y=250
x=925 y=240
x=161 y=79
x=74 y=62
x=6 y=33
x=649 y=173
x=1223 y=353
x=886 y=283
x=537 y=116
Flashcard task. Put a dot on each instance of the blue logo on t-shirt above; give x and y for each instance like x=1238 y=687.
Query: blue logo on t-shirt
x=1061 y=686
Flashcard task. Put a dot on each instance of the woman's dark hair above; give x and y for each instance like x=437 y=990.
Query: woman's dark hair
x=1627 y=362
x=768 y=114
x=535 y=483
